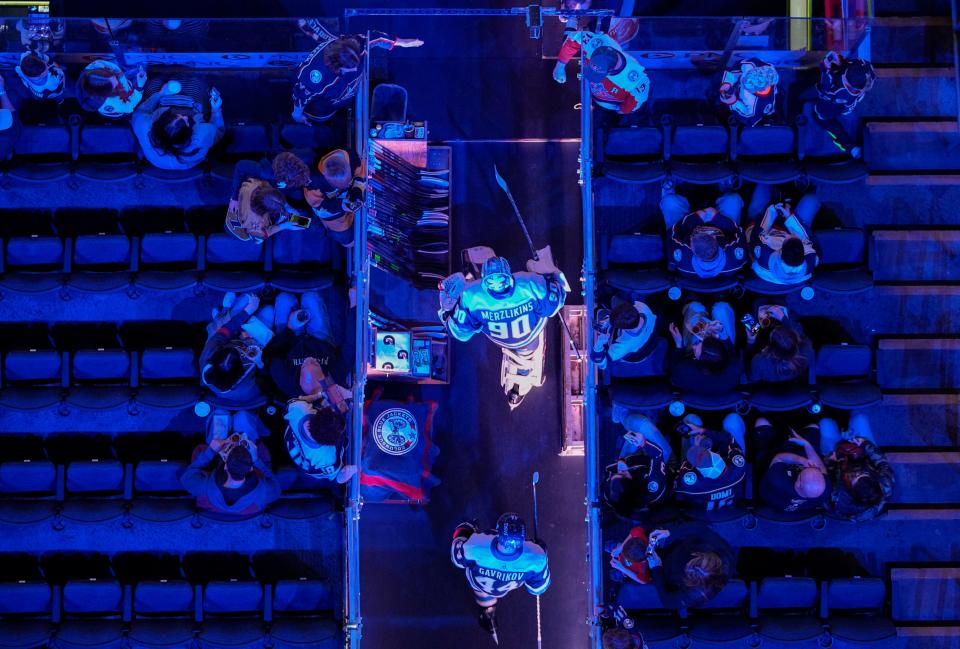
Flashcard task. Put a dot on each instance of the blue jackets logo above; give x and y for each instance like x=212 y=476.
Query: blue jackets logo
x=395 y=431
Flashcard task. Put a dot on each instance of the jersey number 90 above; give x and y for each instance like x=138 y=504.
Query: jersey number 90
x=515 y=329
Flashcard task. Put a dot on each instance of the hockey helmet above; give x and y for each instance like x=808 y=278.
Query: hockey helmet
x=511 y=532
x=497 y=278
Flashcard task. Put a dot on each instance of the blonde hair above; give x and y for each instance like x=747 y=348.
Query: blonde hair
x=705 y=571
x=335 y=167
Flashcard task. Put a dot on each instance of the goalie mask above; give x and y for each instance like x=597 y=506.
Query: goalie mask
x=497 y=278
x=511 y=533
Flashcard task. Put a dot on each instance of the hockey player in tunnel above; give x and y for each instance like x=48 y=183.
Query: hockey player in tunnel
x=511 y=309
x=499 y=561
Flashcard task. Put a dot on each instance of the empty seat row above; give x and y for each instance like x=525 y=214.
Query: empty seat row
x=841 y=377
x=777 y=609
x=163 y=261
x=710 y=153
x=636 y=264
x=164 y=609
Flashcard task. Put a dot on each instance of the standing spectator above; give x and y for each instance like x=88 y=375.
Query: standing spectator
x=630 y=327
x=328 y=79
x=639 y=478
x=170 y=125
x=104 y=88
x=333 y=194
x=617 y=80
x=780 y=351
x=780 y=241
x=234 y=348
x=689 y=565
x=861 y=477
x=43 y=78
x=750 y=91
x=315 y=438
x=9 y=124
x=795 y=480
x=303 y=356
x=707 y=243
x=713 y=472
x=240 y=482
x=843 y=83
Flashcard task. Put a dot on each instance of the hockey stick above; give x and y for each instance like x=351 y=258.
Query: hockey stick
x=536 y=524
x=533 y=250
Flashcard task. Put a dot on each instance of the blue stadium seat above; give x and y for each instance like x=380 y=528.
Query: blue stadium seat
x=784 y=608
x=168 y=365
x=240 y=141
x=35 y=478
x=223 y=604
x=29 y=609
x=632 y=155
x=754 y=284
x=698 y=154
x=167 y=261
x=232 y=265
x=108 y=152
x=779 y=397
x=766 y=154
x=93 y=611
x=653 y=620
x=33 y=264
x=843 y=377
x=654 y=364
x=102 y=377
x=43 y=153
x=101 y=262
x=722 y=401
x=95 y=478
x=649 y=394
x=822 y=160
x=33 y=378
x=723 y=618
x=854 y=610
x=843 y=261
x=164 y=614
x=633 y=263
x=301 y=260
x=158 y=477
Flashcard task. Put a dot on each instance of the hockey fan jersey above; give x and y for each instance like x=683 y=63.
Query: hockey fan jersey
x=492 y=574
x=623 y=91
x=513 y=320
x=731 y=242
x=694 y=489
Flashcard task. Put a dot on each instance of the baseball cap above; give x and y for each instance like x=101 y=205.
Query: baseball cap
x=600 y=63
x=6 y=118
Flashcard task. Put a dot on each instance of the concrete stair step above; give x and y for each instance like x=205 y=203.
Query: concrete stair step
x=915 y=255
x=918 y=364
x=931 y=477
x=911 y=92
x=928 y=636
x=912 y=146
x=926 y=594
x=921 y=420
x=920 y=40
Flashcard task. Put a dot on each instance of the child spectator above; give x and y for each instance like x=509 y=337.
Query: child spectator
x=171 y=128
x=629 y=558
x=104 y=88
x=43 y=78
x=689 y=565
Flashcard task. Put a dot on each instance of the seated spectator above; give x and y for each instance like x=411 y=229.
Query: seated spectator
x=629 y=558
x=689 y=565
x=316 y=439
x=707 y=243
x=780 y=242
x=104 y=88
x=43 y=78
x=229 y=474
x=622 y=638
x=750 y=91
x=780 y=351
x=333 y=194
x=257 y=203
x=796 y=478
x=304 y=358
x=630 y=326
x=859 y=473
x=234 y=348
x=704 y=358
x=713 y=471
x=617 y=80
x=843 y=83
x=639 y=478
x=171 y=128
x=9 y=124
x=328 y=79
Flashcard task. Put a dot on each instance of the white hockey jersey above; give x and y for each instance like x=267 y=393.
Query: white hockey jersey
x=513 y=320
x=493 y=574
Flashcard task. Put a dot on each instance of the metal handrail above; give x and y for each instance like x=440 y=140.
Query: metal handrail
x=591 y=442
x=353 y=621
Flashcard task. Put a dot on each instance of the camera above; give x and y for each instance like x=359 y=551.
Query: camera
x=753 y=327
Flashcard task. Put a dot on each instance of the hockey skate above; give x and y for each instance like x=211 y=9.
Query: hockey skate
x=488 y=622
x=521 y=370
